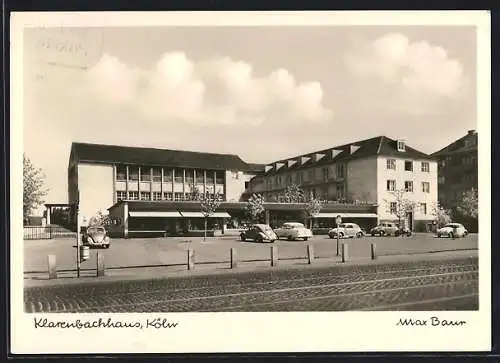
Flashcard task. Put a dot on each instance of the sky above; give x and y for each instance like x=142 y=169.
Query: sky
x=263 y=93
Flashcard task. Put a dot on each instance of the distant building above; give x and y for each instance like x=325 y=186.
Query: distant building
x=106 y=174
x=363 y=172
x=458 y=172
x=457 y=168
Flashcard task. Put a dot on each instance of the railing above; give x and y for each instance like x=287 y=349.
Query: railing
x=46 y=232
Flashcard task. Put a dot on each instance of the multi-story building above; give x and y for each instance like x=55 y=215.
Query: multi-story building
x=101 y=175
x=362 y=172
x=457 y=168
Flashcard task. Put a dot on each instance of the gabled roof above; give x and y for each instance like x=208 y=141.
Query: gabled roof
x=114 y=154
x=375 y=146
x=459 y=145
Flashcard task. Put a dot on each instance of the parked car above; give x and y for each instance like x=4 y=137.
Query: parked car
x=384 y=229
x=95 y=237
x=259 y=233
x=389 y=229
x=447 y=230
x=293 y=231
x=347 y=230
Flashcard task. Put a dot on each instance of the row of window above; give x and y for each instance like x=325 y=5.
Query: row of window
x=147 y=174
x=465 y=160
x=320 y=193
x=422 y=208
x=391 y=186
x=424 y=165
x=134 y=195
x=310 y=175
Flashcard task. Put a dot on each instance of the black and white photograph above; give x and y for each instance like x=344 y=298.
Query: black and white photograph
x=253 y=176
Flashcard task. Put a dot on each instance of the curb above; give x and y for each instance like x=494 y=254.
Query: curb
x=264 y=266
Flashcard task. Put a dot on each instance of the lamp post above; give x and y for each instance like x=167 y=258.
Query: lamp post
x=338 y=220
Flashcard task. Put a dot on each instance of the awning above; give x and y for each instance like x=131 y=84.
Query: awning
x=200 y=215
x=221 y=215
x=192 y=214
x=154 y=214
x=347 y=215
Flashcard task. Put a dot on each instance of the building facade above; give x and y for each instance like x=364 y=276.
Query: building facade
x=101 y=175
x=457 y=168
x=363 y=172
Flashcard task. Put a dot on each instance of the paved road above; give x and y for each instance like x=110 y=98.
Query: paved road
x=169 y=251
x=450 y=284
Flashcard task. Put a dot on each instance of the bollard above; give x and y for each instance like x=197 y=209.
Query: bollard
x=345 y=252
x=100 y=264
x=233 y=257
x=373 y=248
x=310 y=254
x=274 y=255
x=51 y=261
x=190 y=262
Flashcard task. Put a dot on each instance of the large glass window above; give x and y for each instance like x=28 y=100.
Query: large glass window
x=425 y=167
x=145 y=196
x=167 y=175
x=426 y=187
x=189 y=176
x=200 y=176
x=157 y=175
x=167 y=196
x=145 y=174
x=156 y=195
x=120 y=195
x=121 y=173
x=219 y=177
x=408 y=186
x=408 y=165
x=133 y=173
x=340 y=170
x=179 y=175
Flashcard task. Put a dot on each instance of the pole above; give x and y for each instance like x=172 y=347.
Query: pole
x=78 y=239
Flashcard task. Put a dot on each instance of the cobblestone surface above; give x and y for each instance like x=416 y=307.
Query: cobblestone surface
x=422 y=285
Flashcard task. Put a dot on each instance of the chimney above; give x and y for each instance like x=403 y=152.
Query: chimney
x=471 y=132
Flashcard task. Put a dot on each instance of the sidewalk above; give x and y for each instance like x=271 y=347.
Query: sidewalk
x=179 y=271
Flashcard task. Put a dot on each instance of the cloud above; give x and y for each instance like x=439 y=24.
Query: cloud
x=214 y=91
x=417 y=67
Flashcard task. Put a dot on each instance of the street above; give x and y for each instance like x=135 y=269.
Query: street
x=448 y=284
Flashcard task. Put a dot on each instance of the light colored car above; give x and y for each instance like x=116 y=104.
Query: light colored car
x=95 y=236
x=448 y=230
x=293 y=231
x=259 y=233
x=346 y=230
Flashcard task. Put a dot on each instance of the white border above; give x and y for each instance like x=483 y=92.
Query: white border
x=256 y=332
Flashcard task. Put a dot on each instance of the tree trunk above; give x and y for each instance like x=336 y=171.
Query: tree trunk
x=205 y=235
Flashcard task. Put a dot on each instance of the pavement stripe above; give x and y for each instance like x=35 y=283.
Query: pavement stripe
x=246 y=284
x=135 y=304
x=346 y=295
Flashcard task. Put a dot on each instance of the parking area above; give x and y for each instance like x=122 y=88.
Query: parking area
x=144 y=252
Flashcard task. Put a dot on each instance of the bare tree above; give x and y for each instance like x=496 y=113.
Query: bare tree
x=33 y=190
x=313 y=208
x=441 y=215
x=208 y=204
x=467 y=203
x=399 y=205
x=100 y=220
x=292 y=194
x=255 y=207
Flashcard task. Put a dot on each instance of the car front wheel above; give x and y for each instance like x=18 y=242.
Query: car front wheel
x=242 y=237
x=306 y=238
x=359 y=235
